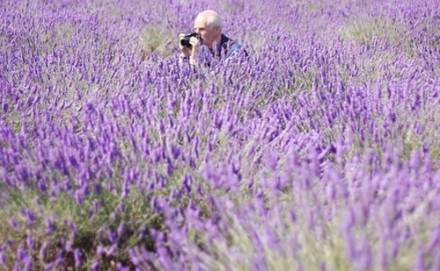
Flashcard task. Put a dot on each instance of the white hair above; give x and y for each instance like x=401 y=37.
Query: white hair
x=213 y=21
x=212 y=18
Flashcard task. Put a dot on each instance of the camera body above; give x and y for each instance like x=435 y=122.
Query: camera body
x=185 y=40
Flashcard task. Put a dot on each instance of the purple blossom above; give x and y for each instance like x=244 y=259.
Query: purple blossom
x=327 y=130
x=121 y=230
x=95 y=266
x=3 y=258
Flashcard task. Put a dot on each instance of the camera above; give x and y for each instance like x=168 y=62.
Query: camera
x=185 y=40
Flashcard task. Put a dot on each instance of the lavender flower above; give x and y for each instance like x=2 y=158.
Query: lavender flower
x=322 y=142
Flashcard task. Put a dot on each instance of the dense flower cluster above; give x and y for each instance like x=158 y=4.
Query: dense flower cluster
x=319 y=151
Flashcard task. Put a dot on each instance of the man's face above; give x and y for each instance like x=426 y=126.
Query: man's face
x=206 y=33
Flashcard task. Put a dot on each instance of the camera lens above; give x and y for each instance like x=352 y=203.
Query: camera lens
x=185 y=43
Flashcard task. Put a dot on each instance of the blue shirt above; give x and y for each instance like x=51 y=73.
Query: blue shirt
x=225 y=49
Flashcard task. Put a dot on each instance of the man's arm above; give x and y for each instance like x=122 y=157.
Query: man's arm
x=189 y=54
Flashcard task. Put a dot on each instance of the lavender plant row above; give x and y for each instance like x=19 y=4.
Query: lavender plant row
x=319 y=151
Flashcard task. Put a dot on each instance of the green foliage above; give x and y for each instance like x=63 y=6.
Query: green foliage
x=90 y=225
x=312 y=250
x=362 y=30
x=156 y=38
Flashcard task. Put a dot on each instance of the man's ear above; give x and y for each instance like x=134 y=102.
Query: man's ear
x=217 y=29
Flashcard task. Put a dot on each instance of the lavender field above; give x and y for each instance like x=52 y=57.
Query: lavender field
x=320 y=151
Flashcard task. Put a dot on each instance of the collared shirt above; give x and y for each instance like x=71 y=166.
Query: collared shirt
x=224 y=49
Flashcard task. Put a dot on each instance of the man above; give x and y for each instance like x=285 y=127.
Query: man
x=209 y=42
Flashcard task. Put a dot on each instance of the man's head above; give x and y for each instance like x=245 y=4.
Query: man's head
x=208 y=25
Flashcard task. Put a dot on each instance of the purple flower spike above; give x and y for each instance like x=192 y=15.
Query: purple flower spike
x=111 y=236
x=121 y=229
x=3 y=258
x=95 y=266
x=271 y=160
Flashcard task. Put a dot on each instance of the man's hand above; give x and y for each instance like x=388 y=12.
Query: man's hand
x=184 y=51
x=190 y=51
x=195 y=46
